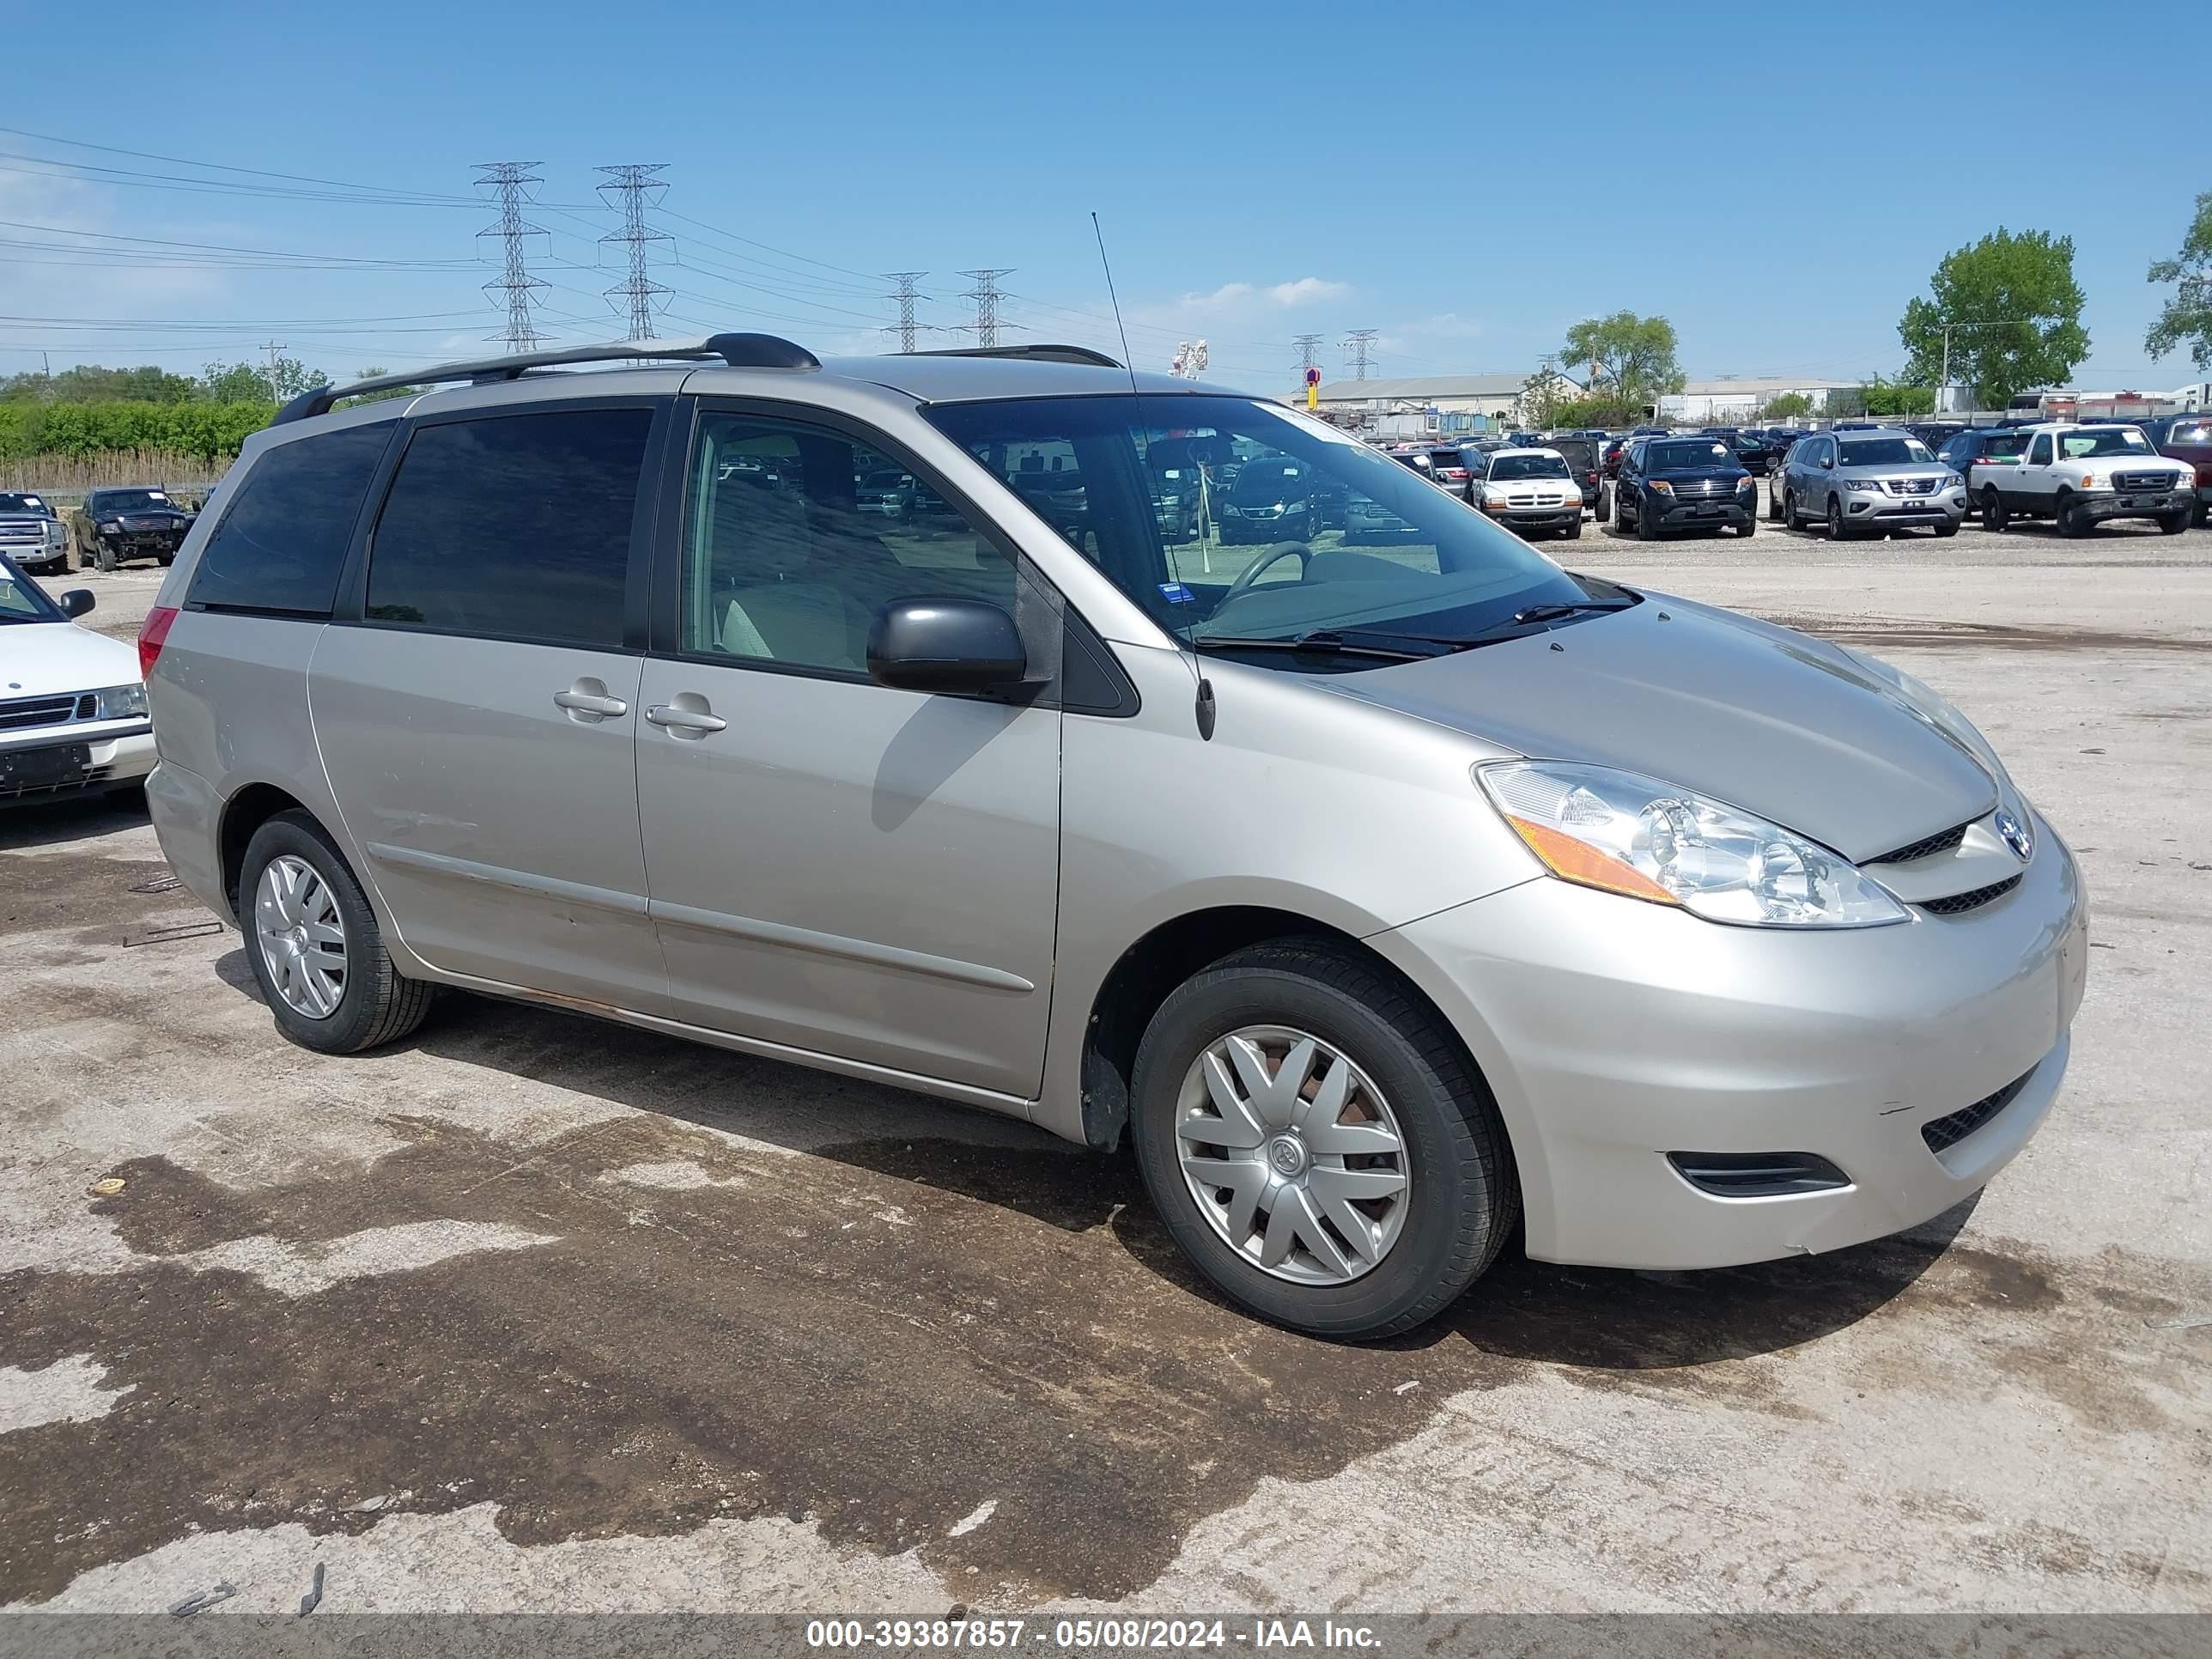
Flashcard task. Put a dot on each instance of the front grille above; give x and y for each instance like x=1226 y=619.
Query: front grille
x=1914 y=486
x=23 y=535
x=20 y=713
x=1944 y=1133
x=1959 y=903
x=1531 y=498
x=1942 y=841
x=2142 y=481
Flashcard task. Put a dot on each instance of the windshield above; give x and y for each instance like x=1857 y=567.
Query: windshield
x=1886 y=451
x=2105 y=440
x=1346 y=539
x=2190 y=431
x=1527 y=466
x=21 y=599
x=13 y=503
x=126 y=500
x=1688 y=457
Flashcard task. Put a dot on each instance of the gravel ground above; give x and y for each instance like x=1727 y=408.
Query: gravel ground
x=535 y=1312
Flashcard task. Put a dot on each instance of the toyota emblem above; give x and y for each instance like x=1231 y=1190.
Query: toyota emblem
x=2015 y=835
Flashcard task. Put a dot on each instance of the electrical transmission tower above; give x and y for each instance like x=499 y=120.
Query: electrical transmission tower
x=985 y=294
x=906 y=326
x=509 y=178
x=1356 y=343
x=1306 y=344
x=634 y=183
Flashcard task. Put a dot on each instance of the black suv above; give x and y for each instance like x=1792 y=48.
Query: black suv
x=115 y=525
x=1684 y=483
x=1586 y=460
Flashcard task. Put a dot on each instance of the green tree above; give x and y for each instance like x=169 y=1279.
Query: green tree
x=2015 y=313
x=2186 y=319
x=244 y=383
x=1632 y=358
x=1541 y=395
x=1790 y=407
x=1887 y=397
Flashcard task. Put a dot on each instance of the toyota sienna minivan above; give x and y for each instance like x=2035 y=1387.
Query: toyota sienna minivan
x=1396 y=900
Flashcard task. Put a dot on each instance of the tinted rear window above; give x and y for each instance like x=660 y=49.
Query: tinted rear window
x=514 y=527
x=2004 y=443
x=282 y=543
x=2190 y=432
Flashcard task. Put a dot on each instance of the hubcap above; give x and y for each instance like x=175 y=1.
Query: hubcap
x=1294 y=1157
x=301 y=933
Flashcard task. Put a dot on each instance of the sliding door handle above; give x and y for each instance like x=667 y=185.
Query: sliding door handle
x=691 y=722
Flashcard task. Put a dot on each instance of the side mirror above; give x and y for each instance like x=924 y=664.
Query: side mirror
x=945 y=645
x=1829 y=462
x=77 y=601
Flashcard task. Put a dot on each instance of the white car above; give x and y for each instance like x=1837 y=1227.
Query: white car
x=73 y=715
x=2080 y=475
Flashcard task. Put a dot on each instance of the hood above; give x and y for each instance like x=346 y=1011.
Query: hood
x=1776 y=723
x=46 y=659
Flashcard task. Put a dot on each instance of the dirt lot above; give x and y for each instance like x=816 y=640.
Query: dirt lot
x=535 y=1312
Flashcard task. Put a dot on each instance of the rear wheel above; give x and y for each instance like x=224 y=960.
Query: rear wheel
x=1993 y=509
x=317 y=952
x=1316 y=1143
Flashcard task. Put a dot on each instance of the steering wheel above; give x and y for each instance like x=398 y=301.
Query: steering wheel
x=1267 y=561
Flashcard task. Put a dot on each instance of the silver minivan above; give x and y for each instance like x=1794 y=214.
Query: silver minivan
x=1396 y=895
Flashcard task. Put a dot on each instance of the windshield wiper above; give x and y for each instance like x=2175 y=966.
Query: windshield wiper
x=1337 y=642
x=1542 y=613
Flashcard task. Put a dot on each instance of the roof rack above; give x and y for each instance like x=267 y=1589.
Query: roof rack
x=1040 y=353
x=738 y=350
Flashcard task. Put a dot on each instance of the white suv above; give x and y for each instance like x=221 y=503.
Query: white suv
x=2081 y=475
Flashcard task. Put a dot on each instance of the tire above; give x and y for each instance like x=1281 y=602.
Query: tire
x=103 y=555
x=1994 y=517
x=1838 y=530
x=2172 y=524
x=1750 y=526
x=1573 y=532
x=1619 y=517
x=1946 y=530
x=1645 y=530
x=1790 y=519
x=1773 y=503
x=377 y=1005
x=1461 y=1200
x=2069 y=523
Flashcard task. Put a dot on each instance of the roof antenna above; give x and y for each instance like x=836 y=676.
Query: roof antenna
x=1206 y=705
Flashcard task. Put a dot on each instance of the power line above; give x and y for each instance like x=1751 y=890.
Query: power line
x=904 y=296
x=1306 y=344
x=508 y=179
x=1358 y=344
x=634 y=182
x=985 y=294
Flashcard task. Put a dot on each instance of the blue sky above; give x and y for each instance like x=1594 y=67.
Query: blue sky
x=1468 y=179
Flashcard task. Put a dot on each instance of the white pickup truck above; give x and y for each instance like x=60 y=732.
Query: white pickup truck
x=2080 y=475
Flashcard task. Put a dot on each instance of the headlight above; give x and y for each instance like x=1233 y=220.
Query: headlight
x=1493 y=498
x=113 y=527
x=2088 y=481
x=122 y=702
x=1871 y=486
x=56 y=533
x=1952 y=480
x=1637 y=836
x=1661 y=486
x=1745 y=482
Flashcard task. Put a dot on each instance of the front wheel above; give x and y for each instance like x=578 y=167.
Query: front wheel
x=2071 y=524
x=1645 y=530
x=1773 y=503
x=2172 y=524
x=1318 y=1144
x=1749 y=526
x=1573 y=532
x=103 y=555
x=1836 y=527
x=1949 y=528
x=317 y=952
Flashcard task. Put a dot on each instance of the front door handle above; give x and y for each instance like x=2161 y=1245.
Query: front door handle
x=693 y=722
x=589 y=703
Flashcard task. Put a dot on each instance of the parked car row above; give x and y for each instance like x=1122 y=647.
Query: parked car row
x=112 y=527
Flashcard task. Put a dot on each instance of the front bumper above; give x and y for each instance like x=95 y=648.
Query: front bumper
x=2139 y=505
x=1537 y=518
x=1613 y=1032
x=48 y=766
x=1896 y=511
x=1705 y=513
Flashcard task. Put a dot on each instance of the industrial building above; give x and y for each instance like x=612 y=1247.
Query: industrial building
x=1432 y=402
x=1741 y=397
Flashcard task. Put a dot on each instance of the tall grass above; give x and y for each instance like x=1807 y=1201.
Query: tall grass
x=156 y=469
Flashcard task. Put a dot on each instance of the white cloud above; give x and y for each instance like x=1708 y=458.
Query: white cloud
x=1308 y=290
x=1231 y=298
